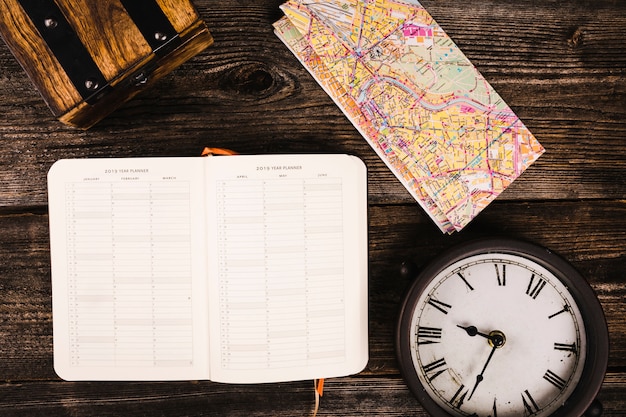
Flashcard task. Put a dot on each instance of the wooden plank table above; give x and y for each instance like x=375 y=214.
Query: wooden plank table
x=561 y=65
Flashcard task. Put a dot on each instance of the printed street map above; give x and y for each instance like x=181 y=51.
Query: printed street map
x=414 y=96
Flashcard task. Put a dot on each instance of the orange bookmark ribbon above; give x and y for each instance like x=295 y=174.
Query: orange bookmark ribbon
x=318 y=384
x=217 y=151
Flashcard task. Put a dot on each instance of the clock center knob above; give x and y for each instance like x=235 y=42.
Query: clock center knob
x=497 y=339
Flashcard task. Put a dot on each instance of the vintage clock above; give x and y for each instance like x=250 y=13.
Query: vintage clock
x=499 y=327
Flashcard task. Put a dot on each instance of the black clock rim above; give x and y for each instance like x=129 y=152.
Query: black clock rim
x=596 y=361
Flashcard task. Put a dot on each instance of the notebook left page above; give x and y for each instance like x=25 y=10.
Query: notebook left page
x=128 y=269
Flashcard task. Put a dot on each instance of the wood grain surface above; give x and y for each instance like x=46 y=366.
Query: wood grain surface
x=561 y=65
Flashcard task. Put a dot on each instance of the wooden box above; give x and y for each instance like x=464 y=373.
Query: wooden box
x=86 y=57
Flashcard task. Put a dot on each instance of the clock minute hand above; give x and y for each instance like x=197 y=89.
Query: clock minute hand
x=479 y=377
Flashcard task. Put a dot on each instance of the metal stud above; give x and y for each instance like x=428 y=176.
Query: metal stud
x=50 y=23
x=141 y=79
x=91 y=84
x=160 y=36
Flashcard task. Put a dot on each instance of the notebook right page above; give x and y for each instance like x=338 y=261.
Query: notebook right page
x=288 y=267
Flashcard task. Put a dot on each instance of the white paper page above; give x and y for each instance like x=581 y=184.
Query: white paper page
x=128 y=269
x=288 y=267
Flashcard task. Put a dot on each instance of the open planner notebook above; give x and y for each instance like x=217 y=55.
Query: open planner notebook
x=238 y=269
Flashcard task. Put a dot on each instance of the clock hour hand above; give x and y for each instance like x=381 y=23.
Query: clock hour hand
x=473 y=331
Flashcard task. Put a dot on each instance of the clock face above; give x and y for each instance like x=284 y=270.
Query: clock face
x=494 y=334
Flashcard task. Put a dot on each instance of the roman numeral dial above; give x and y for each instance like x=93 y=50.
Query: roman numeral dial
x=535 y=286
x=554 y=379
x=500 y=274
x=496 y=334
x=435 y=368
x=428 y=335
x=439 y=305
